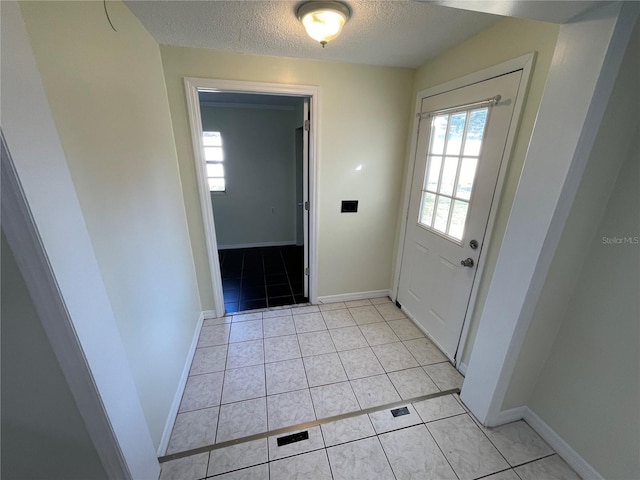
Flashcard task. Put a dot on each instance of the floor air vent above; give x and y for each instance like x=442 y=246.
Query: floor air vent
x=293 y=438
x=398 y=412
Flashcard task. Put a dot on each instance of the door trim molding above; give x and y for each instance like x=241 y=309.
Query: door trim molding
x=524 y=63
x=192 y=84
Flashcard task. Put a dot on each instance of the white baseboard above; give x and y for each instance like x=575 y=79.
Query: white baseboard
x=555 y=441
x=207 y=314
x=347 y=297
x=462 y=368
x=562 y=448
x=255 y=245
x=173 y=412
x=508 y=416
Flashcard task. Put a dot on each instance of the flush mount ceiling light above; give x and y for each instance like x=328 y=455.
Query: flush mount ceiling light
x=323 y=20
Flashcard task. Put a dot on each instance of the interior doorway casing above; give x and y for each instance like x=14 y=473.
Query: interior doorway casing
x=192 y=87
x=524 y=63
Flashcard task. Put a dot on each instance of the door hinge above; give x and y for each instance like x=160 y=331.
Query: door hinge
x=307 y=125
x=306 y=205
x=306 y=271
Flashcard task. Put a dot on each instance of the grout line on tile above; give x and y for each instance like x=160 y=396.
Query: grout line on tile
x=218 y=475
x=286 y=272
x=326 y=453
x=534 y=460
x=301 y=426
x=482 y=427
x=385 y=452
x=439 y=448
x=495 y=473
x=240 y=299
x=264 y=279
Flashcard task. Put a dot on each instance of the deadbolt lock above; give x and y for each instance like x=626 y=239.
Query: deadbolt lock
x=473 y=244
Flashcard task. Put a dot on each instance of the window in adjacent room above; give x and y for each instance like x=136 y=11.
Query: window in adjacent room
x=214 y=158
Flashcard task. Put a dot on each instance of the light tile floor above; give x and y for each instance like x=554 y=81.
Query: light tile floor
x=262 y=371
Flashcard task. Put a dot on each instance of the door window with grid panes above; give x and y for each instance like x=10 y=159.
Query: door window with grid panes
x=454 y=150
x=214 y=157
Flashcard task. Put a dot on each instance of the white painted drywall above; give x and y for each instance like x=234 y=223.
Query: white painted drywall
x=579 y=368
x=43 y=434
x=259 y=205
x=108 y=99
x=589 y=389
x=610 y=151
x=364 y=116
x=586 y=61
x=103 y=385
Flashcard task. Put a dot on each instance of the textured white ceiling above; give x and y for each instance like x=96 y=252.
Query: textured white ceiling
x=554 y=11
x=391 y=32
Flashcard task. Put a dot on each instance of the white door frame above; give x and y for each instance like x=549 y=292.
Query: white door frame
x=193 y=107
x=524 y=63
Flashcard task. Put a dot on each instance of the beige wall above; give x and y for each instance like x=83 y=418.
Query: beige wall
x=364 y=117
x=108 y=98
x=508 y=39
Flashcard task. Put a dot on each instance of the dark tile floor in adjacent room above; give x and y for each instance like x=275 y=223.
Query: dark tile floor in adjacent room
x=262 y=277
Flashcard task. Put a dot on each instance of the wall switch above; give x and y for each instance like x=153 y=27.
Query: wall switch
x=349 y=206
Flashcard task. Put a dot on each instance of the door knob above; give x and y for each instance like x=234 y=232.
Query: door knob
x=467 y=262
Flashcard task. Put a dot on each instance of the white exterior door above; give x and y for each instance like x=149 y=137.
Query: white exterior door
x=461 y=144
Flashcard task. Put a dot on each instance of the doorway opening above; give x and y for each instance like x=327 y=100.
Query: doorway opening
x=254 y=156
x=253 y=153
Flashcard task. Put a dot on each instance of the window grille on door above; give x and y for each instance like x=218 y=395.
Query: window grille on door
x=455 y=147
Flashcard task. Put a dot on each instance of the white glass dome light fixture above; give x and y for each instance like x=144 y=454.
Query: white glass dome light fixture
x=323 y=21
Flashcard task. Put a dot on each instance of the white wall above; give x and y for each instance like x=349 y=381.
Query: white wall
x=108 y=99
x=364 y=116
x=586 y=62
x=586 y=324
x=51 y=244
x=259 y=205
x=610 y=151
x=589 y=389
x=40 y=439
